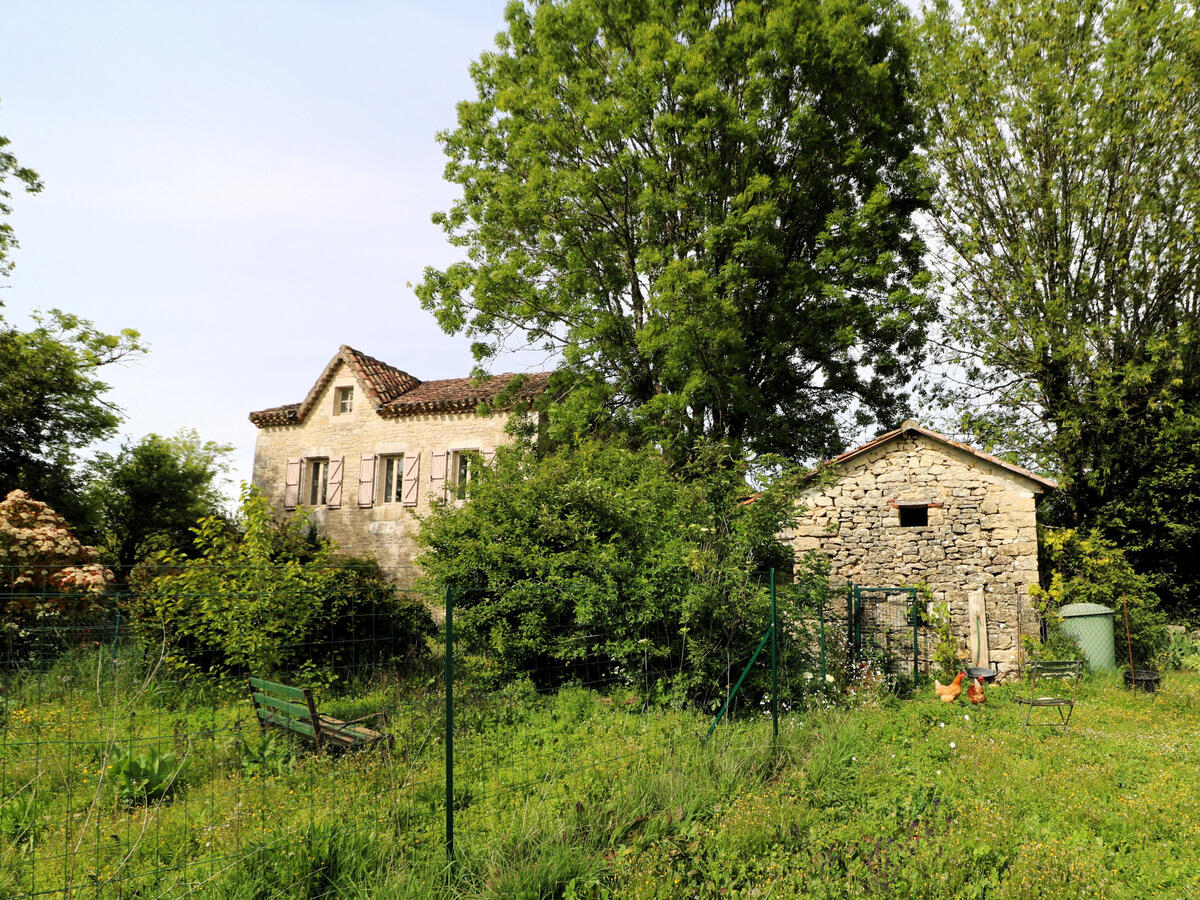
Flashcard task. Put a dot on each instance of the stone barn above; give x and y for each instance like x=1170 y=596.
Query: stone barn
x=913 y=507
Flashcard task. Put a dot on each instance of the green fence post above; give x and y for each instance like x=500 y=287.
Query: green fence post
x=821 y=621
x=914 y=617
x=774 y=665
x=449 y=724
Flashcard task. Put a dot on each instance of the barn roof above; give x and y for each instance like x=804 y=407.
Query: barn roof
x=909 y=426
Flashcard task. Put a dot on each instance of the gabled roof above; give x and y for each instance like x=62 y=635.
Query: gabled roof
x=909 y=426
x=393 y=392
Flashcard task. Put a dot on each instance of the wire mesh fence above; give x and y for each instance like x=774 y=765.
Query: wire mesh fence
x=132 y=761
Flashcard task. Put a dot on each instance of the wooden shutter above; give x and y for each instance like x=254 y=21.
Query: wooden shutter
x=333 y=497
x=366 y=480
x=437 y=477
x=291 y=485
x=412 y=481
x=489 y=457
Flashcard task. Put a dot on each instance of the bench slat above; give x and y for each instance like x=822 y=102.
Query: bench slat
x=270 y=718
x=294 y=709
x=282 y=690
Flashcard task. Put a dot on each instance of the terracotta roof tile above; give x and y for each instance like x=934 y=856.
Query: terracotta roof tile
x=393 y=392
x=463 y=393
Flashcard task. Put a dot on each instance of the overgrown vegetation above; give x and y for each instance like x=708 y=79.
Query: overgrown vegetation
x=597 y=561
x=268 y=596
x=580 y=794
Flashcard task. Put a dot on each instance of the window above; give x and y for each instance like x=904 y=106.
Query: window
x=914 y=516
x=343 y=401
x=392 y=470
x=461 y=469
x=318 y=481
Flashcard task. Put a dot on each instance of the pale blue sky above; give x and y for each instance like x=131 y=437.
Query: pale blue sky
x=249 y=184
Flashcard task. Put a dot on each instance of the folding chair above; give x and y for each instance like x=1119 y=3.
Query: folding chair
x=1067 y=673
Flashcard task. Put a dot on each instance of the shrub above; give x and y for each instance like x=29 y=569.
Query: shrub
x=46 y=574
x=601 y=563
x=270 y=597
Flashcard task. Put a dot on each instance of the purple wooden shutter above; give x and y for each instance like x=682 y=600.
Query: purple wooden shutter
x=437 y=477
x=366 y=480
x=291 y=485
x=489 y=457
x=333 y=498
x=412 y=481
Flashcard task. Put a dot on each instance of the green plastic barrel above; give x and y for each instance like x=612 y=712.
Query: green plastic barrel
x=1092 y=627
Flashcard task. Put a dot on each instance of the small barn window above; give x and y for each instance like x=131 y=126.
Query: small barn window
x=914 y=516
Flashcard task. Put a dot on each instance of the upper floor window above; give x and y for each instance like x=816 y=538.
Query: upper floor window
x=914 y=516
x=343 y=401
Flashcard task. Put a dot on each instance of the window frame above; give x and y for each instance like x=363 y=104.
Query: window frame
x=312 y=466
x=392 y=486
x=462 y=463
x=343 y=400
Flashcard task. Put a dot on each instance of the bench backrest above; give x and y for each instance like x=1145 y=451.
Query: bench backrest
x=1056 y=668
x=286 y=707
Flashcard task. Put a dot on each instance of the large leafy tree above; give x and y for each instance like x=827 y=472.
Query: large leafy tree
x=701 y=209
x=51 y=400
x=150 y=494
x=27 y=178
x=52 y=404
x=1066 y=142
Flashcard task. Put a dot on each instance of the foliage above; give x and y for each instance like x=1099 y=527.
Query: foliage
x=268 y=596
x=52 y=404
x=1182 y=651
x=601 y=562
x=19 y=817
x=1064 y=140
x=705 y=210
x=945 y=647
x=895 y=799
x=29 y=180
x=1085 y=567
x=150 y=494
x=145 y=775
x=45 y=572
x=1155 y=515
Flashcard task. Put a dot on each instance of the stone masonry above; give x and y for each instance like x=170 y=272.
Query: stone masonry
x=915 y=507
x=421 y=427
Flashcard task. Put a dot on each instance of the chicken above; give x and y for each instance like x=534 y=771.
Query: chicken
x=948 y=693
x=975 y=692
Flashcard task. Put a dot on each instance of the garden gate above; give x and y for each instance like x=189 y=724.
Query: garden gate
x=883 y=624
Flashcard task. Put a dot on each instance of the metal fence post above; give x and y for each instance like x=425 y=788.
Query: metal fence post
x=774 y=664
x=449 y=724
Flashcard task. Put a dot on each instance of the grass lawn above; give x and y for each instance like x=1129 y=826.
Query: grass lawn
x=579 y=795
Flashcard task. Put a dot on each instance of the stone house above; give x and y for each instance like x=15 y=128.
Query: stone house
x=371 y=447
x=914 y=507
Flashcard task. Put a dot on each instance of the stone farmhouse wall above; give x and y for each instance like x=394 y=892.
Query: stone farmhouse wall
x=977 y=552
x=361 y=520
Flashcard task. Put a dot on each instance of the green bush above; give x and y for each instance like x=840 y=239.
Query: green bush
x=270 y=597
x=602 y=564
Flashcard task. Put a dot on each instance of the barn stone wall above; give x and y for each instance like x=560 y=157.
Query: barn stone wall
x=978 y=550
x=385 y=530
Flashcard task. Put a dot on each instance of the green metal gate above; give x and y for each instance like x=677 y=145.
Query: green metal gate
x=883 y=623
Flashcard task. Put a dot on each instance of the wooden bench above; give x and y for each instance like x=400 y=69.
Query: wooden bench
x=294 y=710
x=1067 y=672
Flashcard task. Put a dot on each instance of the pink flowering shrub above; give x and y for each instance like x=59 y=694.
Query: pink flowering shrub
x=44 y=569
